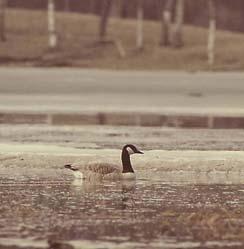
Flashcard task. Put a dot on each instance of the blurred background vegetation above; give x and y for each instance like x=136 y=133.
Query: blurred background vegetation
x=132 y=38
x=230 y=14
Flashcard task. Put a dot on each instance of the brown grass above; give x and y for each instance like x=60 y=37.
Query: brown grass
x=205 y=225
x=27 y=45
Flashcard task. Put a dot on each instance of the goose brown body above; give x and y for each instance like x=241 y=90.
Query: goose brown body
x=103 y=170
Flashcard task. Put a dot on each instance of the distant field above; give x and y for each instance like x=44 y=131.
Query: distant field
x=27 y=45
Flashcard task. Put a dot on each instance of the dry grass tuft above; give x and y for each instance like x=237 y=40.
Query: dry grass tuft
x=205 y=225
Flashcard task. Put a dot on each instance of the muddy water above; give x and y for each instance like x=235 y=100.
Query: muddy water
x=48 y=209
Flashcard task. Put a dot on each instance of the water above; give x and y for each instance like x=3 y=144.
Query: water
x=48 y=209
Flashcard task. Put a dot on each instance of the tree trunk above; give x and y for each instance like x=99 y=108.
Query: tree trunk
x=139 y=33
x=92 y=6
x=212 y=32
x=166 y=23
x=177 y=40
x=107 y=5
x=2 y=20
x=116 y=8
x=66 y=5
x=52 y=41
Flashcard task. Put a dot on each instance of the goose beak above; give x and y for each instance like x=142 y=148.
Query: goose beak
x=139 y=152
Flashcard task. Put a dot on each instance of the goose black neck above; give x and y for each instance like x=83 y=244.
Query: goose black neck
x=127 y=167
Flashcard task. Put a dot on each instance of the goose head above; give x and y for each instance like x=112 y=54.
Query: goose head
x=132 y=149
x=128 y=149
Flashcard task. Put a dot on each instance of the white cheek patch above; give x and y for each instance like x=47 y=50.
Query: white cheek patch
x=130 y=151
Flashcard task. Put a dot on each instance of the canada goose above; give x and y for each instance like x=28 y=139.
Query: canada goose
x=107 y=170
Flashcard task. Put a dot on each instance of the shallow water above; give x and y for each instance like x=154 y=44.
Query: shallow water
x=47 y=209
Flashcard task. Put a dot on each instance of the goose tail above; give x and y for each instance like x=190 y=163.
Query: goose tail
x=70 y=166
x=76 y=172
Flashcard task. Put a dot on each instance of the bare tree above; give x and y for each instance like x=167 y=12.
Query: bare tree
x=177 y=39
x=107 y=5
x=52 y=41
x=212 y=31
x=67 y=5
x=92 y=6
x=166 y=22
x=139 y=33
x=116 y=8
x=2 y=20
